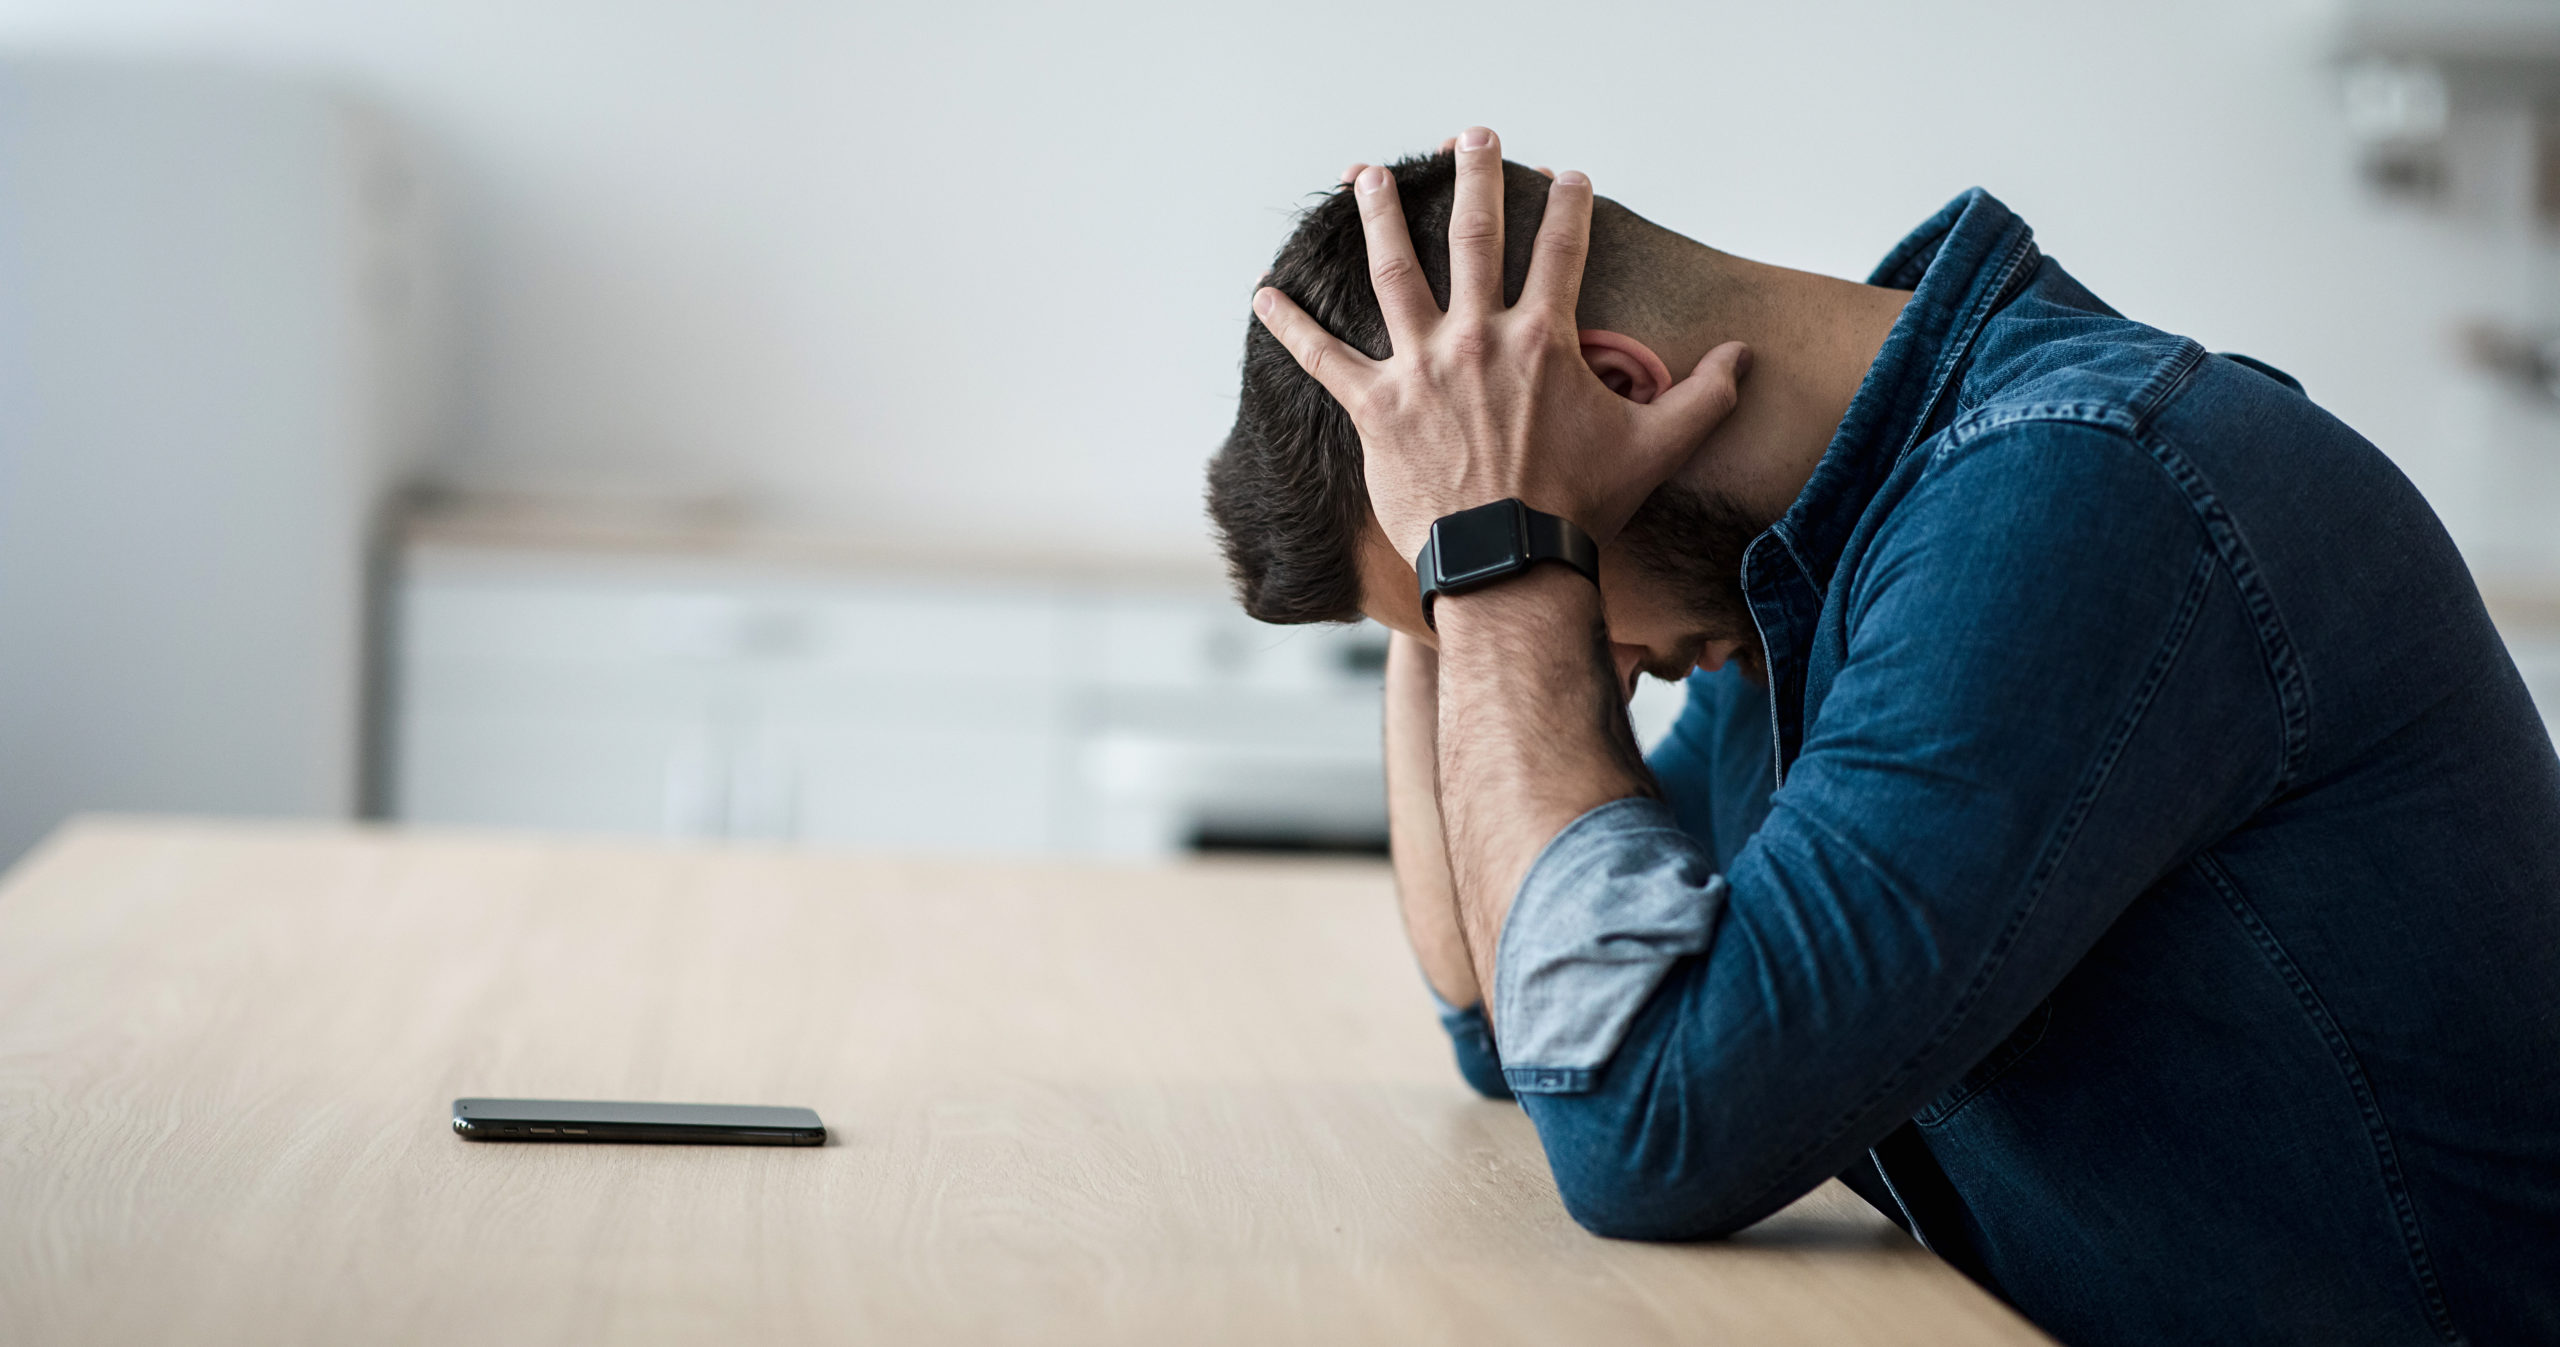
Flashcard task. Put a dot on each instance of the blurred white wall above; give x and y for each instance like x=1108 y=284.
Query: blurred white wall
x=979 y=269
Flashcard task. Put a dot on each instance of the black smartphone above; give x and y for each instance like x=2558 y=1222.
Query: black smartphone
x=591 y=1120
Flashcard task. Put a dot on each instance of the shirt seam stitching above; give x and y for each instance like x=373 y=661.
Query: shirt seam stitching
x=2386 y=1152
x=2173 y=643
x=2276 y=652
x=2290 y=682
x=2011 y=1053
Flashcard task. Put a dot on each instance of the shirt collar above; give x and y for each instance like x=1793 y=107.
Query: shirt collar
x=1962 y=265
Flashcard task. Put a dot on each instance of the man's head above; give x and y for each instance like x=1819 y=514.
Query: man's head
x=1286 y=490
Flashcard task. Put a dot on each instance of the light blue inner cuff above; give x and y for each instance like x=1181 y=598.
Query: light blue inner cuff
x=1611 y=903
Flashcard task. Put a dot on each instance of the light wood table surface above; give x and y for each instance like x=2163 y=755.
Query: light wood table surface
x=1069 y=1102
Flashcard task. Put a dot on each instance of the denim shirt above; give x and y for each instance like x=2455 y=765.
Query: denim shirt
x=2144 y=845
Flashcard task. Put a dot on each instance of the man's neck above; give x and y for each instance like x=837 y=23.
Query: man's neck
x=1812 y=341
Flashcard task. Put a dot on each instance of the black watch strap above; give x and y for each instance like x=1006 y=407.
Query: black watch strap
x=1474 y=548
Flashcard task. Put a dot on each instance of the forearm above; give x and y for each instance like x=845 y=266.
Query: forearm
x=1533 y=734
x=1420 y=854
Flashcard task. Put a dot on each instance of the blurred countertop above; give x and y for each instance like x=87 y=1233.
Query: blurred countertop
x=440 y=530
x=443 y=530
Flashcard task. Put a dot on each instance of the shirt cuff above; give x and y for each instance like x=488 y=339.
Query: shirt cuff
x=1471 y=1038
x=1608 y=907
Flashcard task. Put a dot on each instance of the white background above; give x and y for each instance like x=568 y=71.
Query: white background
x=979 y=270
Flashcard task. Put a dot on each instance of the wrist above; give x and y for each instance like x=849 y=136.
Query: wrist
x=1496 y=544
x=1548 y=598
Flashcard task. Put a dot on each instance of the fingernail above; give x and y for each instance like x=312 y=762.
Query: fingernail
x=1372 y=178
x=1262 y=301
x=1742 y=364
x=1572 y=177
x=1474 y=138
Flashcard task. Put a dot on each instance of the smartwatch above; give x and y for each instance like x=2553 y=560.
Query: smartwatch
x=1473 y=548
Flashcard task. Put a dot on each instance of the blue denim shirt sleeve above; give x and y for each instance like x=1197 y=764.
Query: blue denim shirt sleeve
x=2003 y=762
x=1472 y=1040
x=1608 y=907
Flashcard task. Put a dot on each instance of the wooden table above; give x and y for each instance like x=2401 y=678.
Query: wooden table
x=1070 y=1103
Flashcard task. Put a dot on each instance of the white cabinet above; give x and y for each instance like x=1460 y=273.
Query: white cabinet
x=1014 y=713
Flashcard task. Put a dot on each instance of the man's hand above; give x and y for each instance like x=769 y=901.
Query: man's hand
x=1484 y=402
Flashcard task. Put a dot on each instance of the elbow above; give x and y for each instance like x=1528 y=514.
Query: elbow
x=1610 y=1206
x=1623 y=1195
x=1639 y=1158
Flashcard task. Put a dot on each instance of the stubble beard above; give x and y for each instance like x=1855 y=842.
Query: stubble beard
x=1692 y=540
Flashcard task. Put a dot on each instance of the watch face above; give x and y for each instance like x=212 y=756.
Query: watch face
x=1484 y=541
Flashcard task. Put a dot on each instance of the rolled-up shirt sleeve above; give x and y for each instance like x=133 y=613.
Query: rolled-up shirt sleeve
x=1610 y=905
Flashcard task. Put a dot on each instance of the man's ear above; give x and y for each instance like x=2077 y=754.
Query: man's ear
x=1627 y=366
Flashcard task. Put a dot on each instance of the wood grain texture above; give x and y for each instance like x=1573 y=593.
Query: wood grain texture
x=1069 y=1103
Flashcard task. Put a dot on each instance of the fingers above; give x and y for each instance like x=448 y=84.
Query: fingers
x=1686 y=412
x=1475 y=225
x=1404 y=297
x=1564 y=240
x=1352 y=173
x=1344 y=372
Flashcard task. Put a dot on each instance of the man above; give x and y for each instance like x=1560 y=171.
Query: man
x=2105 y=827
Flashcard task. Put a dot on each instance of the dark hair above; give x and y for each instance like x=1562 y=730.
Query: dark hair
x=1286 y=490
